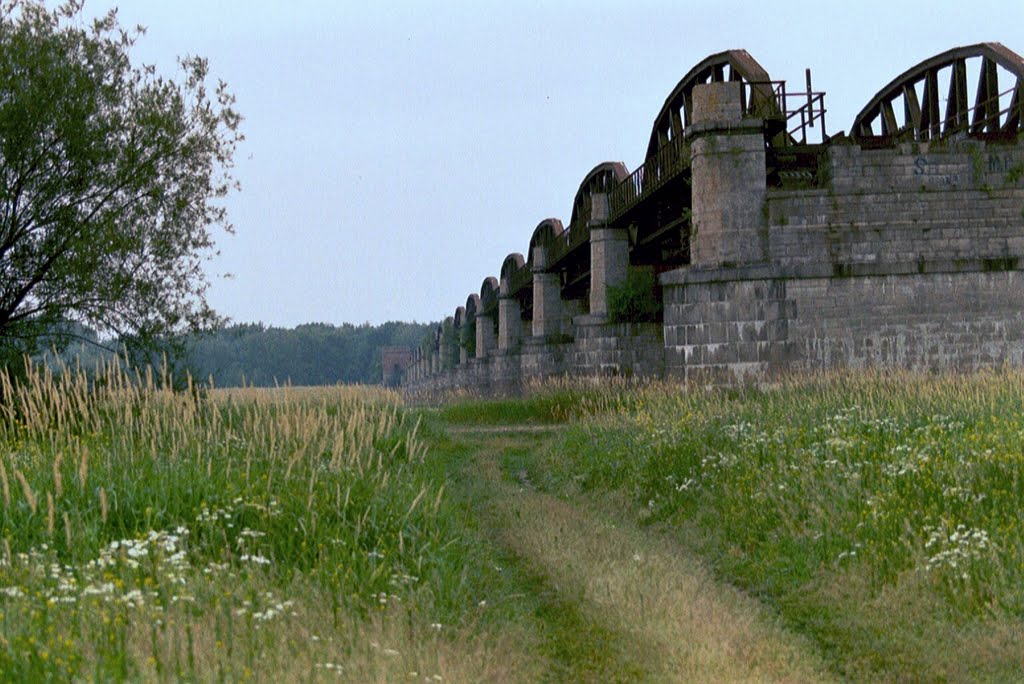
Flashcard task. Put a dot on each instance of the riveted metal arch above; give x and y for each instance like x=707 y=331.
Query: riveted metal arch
x=731 y=65
x=460 y=317
x=916 y=95
x=545 y=234
x=515 y=275
x=513 y=264
x=602 y=180
x=488 y=295
x=472 y=308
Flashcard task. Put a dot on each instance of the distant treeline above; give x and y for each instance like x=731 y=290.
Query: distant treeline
x=310 y=354
x=255 y=354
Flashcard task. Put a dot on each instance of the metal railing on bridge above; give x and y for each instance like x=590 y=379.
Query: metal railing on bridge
x=809 y=114
x=668 y=162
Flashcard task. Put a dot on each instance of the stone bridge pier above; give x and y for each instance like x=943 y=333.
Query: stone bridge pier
x=728 y=171
x=609 y=255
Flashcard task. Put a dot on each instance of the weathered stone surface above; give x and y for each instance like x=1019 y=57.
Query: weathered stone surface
x=728 y=162
x=609 y=259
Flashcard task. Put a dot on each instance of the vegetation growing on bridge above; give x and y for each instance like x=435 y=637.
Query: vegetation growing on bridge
x=637 y=299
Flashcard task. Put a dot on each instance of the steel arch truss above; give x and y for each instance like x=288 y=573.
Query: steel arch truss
x=932 y=101
x=731 y=65
x=602 y=180
x=489 y=291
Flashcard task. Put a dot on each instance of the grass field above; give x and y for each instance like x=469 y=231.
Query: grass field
x=878 y=514
x=863 y=527
x=282 y=535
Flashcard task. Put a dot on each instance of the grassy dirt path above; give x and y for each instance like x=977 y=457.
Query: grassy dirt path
x=616 y=601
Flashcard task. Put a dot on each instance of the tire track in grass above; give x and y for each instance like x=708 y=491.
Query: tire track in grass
x=569 y=645
x=622 y=603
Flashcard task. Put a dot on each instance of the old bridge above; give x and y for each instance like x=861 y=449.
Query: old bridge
x=756 y=220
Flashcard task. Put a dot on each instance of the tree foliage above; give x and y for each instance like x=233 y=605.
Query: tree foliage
x=111 y=181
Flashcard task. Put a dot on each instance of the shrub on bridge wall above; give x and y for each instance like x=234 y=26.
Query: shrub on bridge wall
x=637 y=299
x=467 y=338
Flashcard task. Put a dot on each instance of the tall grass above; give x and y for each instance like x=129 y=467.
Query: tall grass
x=878 y=512
x=552 y=401
x=218 y=534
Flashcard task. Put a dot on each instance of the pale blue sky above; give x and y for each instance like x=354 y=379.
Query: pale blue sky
x=397 y=152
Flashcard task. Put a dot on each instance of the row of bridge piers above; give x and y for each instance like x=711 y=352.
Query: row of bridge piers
x=552 y=314
x=503 y=329
x=742 y=250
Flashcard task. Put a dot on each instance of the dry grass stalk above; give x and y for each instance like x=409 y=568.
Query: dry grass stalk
x=83 y=468
x=30 y=497
x=5 y=484
x=58 y=481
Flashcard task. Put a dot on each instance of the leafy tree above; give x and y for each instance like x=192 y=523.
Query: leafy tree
x=111 y=181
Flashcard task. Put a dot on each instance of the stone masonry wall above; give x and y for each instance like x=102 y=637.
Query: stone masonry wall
x=720 y=328
x=902 y=205
x=632 y=350
x=729 y=327
x=956 y=321
x=909 y=256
